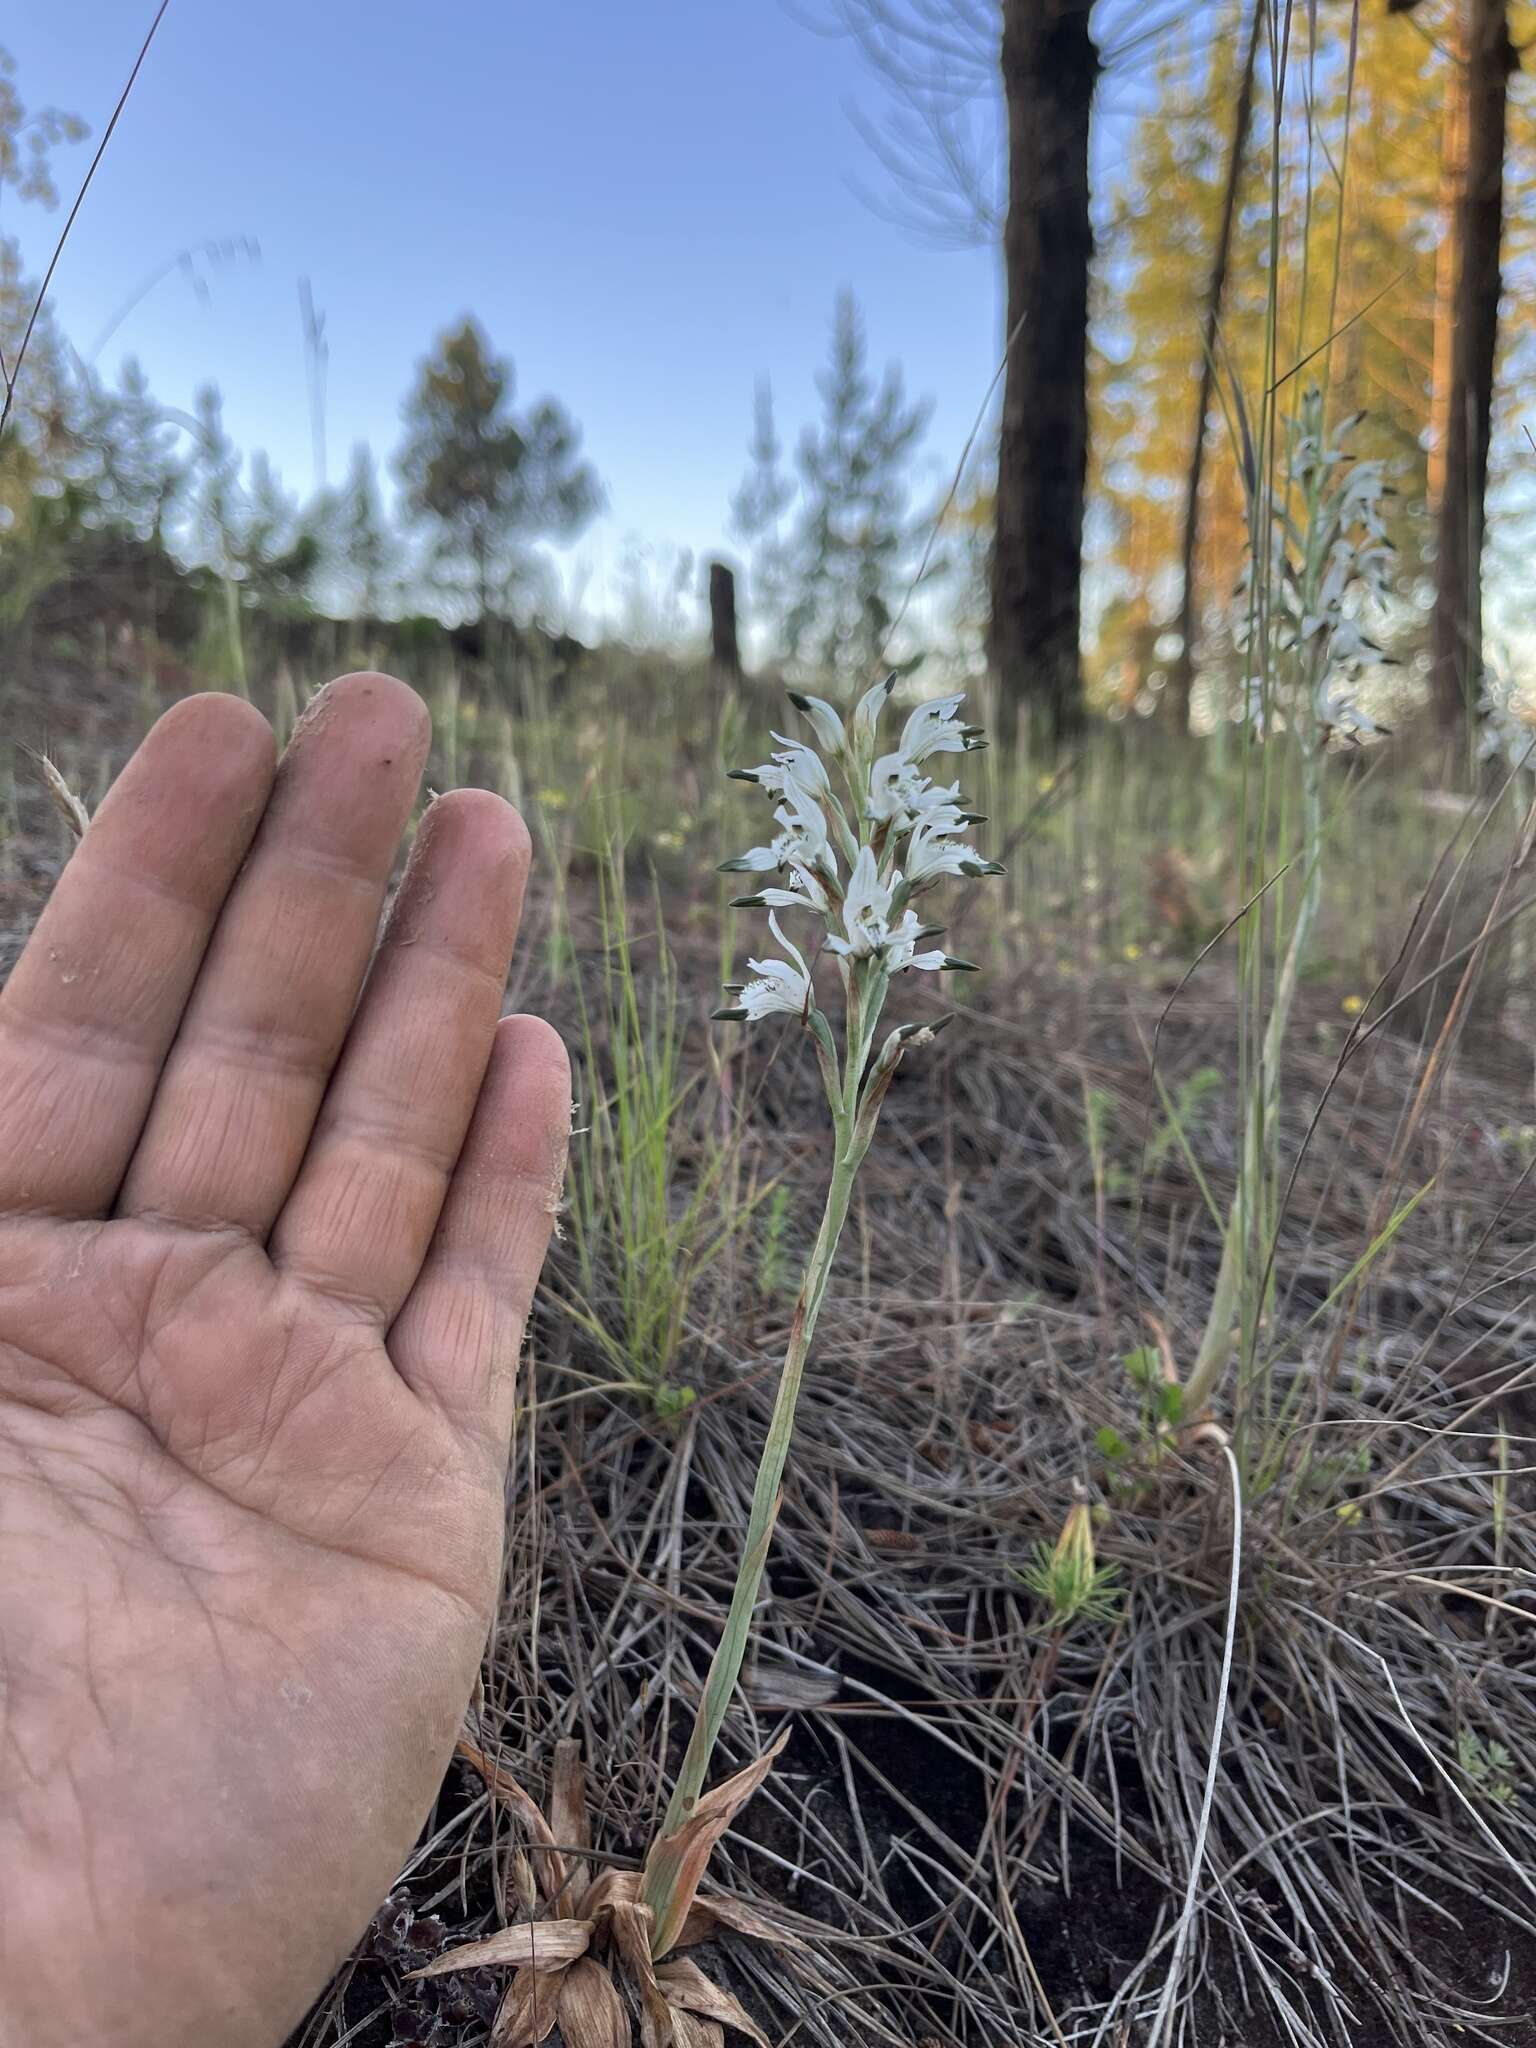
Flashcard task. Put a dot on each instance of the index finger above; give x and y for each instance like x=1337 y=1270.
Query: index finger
x=92 y=1005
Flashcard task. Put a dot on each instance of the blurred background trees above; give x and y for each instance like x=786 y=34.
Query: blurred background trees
x=1091 y=552
x=485 y=480
x=836 y=574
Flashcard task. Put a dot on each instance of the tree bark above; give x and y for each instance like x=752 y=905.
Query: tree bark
x=1458 y=618
x=1453 y=178
x=1049 y=68
x=1242 y=120
x=724 y=646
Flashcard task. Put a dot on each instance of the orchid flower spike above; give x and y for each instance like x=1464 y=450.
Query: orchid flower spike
x=855 y=861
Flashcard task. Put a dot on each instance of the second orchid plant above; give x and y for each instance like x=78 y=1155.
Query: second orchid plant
x=863 y=836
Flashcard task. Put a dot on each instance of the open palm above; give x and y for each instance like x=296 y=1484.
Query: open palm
x=269 y=1223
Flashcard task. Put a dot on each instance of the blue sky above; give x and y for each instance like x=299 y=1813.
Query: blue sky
x=646 y=206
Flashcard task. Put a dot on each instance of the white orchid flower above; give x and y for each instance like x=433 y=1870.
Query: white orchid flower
x=902 y=956
x=1337 y=709
x=894 y=784
x=933 y=852
x=792 y=765
x=924 y=732
x=859 y=734
x=807 y=894
x=866 y=717
x=802 y=841
x=1336 y=579
x=901 y=949
x=938 y=811
x=866 y=909
x=779 y=988
x=899 y=795
x=803 y=767
x=867 y=921
x=934 y=729
x=825 y=722
x=1347 y=644
x=757 y=860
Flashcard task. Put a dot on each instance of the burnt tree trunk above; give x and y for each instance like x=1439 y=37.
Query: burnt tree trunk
x=724 y=645
x=1049 y=67
x=1453 y=178
x=1216 y=291
x=1458 y=618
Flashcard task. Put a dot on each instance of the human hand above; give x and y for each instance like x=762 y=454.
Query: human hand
x=266 y=1248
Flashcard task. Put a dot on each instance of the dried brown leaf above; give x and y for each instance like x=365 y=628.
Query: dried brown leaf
x=520 y=1891
x=725 y=1800
x=570 y=1823
x=540 y=1944
x=715 y=1914
x=685 y=1986
x=632 y=1930
x=529 y=2010
x=550 y=1864
x=611 y=1888
x=677 y=1862
x=692 y=2032
x=592 y=2013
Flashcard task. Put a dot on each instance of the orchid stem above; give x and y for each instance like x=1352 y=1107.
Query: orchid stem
x=725 y=1668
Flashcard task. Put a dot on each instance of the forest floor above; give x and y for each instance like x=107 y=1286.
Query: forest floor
x=982 y=1827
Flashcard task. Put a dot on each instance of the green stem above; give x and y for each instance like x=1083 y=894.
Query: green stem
x=725 y=1667
x=239 y=684
x=1263 y=1112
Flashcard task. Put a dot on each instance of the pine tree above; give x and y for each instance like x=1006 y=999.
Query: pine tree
x=214 y=500
x=280 y=547
x=486 y=480
x=757 y=515
x=366 y=546
x=141 y=469
x=854 y=542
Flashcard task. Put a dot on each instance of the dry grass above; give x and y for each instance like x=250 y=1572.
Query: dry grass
x=966 y=1788
x=991 y=1821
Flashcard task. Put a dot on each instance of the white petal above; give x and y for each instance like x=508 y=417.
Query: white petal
x=825 y=721
x=775 y=971
x=866 y=717
x=892 y=784
x=801 y=764
x=932 y=729
x=794 y=951
x=931 y=798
